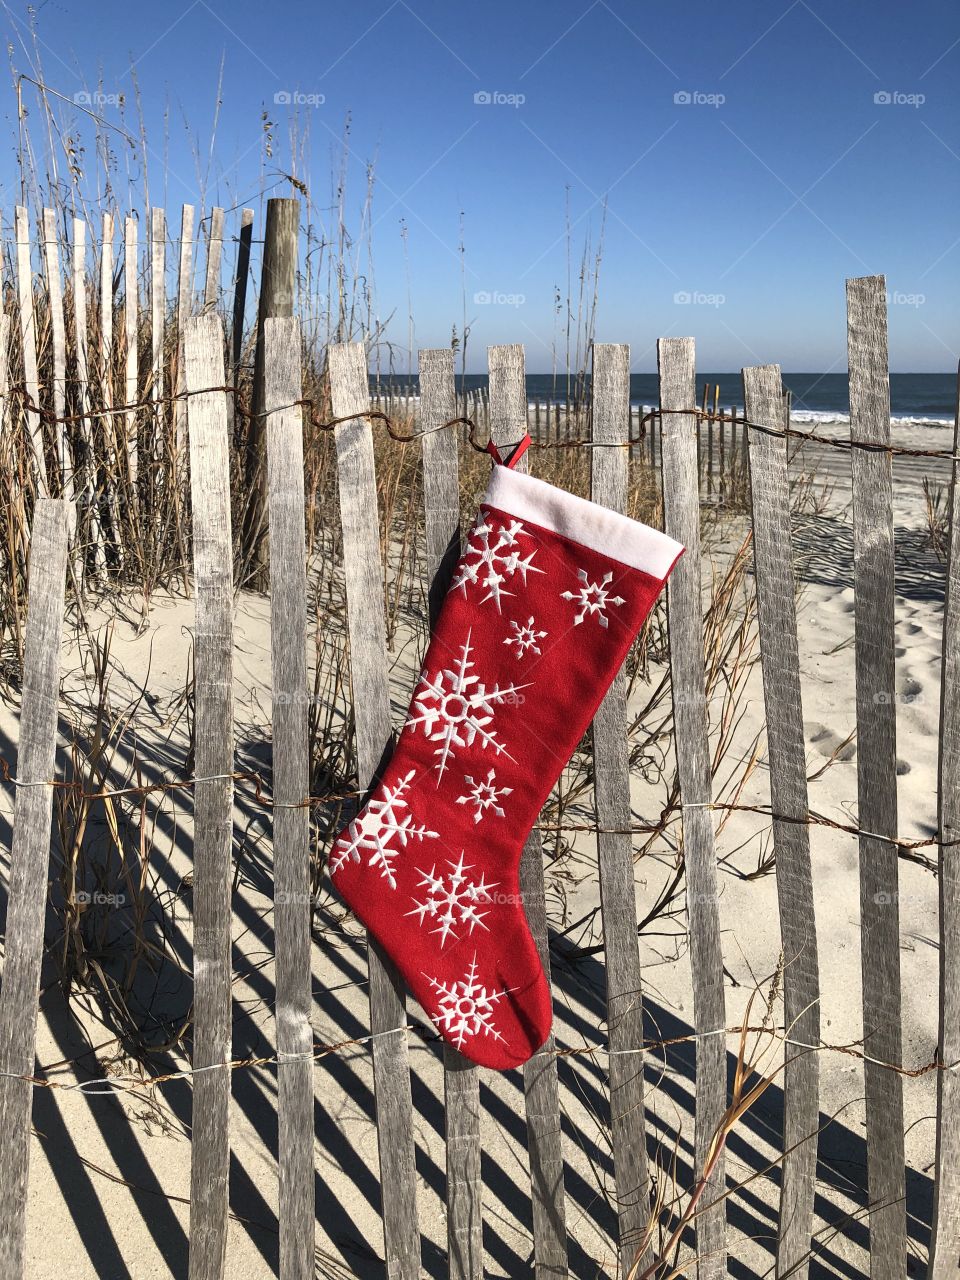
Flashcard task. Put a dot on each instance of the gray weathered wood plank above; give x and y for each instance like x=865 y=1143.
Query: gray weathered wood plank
x=244 y=242
x=291 y=786
x=158 y=313
x=508 y=423
x=29 y=871
x=213 y=794
x=945 y=1238
x=58 y=341
x=461 y=1079
x=780 y=663
x=89 y=469
x=611 y=765
x=110 y=423
x=374 y=740
x=131 y=360
x=678 y=460
x=211 y=282
x=28 y=342
x=184 y=307
x=873 y=572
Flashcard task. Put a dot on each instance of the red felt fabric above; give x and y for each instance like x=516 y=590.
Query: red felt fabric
x=431 y=864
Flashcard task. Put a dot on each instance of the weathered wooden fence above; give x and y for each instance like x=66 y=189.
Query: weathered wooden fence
x=199 y=437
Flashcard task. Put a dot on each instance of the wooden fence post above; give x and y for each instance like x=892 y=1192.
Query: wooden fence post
x=28 y=341
x=681 y=506
x=277 y=288
x=618 y=892
x=213 y=794
x=780 y=661
x=291 y=786
x=874 y=587
x=945 y=1238
x=29 y=863
x=350 y=396
x=508 y=419
x=441 y=503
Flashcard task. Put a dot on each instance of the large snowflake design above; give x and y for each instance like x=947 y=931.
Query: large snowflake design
x=455 y=708
x=493 y=557
x=484 y=794
x=466 y=1008
x=451 y=900
x=525 y=637
x=381 y=830
x=593 y=598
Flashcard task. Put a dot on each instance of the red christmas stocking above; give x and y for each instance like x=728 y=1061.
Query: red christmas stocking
x=544 y=604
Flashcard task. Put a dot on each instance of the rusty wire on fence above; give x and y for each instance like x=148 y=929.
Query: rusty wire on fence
x=321 y=423
x=110 y=1086
x=908 y=849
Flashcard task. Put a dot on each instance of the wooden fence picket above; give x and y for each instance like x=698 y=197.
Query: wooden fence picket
x=131 y=350
x=244 y=243
x=58 y=340
x=618 y=898
x=780 y=663
x=945 y=1237
x=29 y=871
x=184 y=308
x=461 y=1079
x=211 y=285
x=110 y=423
x=158 y=312
x=874 y=586
x=291 y=784
x=28 y=344
x=212 y=793
x=88 y=467
x=678 y=457
x=350 y=398
x=508 y=422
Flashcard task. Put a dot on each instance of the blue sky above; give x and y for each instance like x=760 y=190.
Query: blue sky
x=750 y=157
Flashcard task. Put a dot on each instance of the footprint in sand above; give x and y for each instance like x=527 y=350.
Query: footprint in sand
x=825 y=741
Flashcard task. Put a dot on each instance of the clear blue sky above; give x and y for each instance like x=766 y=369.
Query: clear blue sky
x=779 y=176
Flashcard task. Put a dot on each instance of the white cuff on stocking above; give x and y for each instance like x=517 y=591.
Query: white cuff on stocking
x=587 y=523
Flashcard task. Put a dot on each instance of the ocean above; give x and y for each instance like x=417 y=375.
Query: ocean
x=915 y=398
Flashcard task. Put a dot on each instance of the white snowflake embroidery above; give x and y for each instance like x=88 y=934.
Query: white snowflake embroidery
x=451 y=900
x=490 y=563
x=455 y=708
x=525 y=637
x=465 y=1008
x=375 y=829
x=484 y=795
x=593 y=598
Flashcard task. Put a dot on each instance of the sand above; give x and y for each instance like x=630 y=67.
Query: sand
x=110 y=1173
